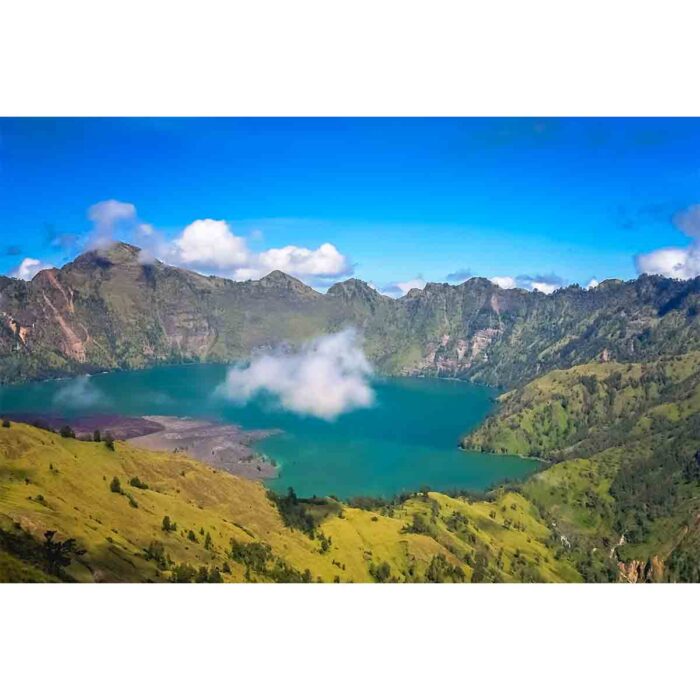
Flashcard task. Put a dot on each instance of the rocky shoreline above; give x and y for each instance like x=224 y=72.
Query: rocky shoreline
x=223 y=446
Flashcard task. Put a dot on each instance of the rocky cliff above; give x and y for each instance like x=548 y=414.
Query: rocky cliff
x=109 y=310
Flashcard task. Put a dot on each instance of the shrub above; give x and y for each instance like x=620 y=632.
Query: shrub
x=58 y=555
x=440 y=570
x=294 y=512
x=156 y=552
x=5 y=423
x=115 y=485
x=96 y=436
x=66 y=432
x=182 y=573
x=381 y=572
x=137 y=483
x=168 y=525
x=418 y=526
x=109 y=442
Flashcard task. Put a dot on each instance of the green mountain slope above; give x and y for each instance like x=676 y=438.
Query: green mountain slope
x=108 y=310
x=624 y=441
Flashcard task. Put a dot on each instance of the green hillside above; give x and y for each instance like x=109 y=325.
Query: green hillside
x=623 y=441
x=112 y=504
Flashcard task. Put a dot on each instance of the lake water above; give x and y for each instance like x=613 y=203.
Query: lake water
x=406 y=440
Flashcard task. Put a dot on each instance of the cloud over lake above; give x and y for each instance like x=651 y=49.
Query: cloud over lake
x=79 y=393
x=325 y=378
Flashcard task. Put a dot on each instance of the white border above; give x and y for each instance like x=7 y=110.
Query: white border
x=354 y=641
x=359 y=57
x=347 y=58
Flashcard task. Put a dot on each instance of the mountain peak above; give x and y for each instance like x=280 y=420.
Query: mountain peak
x=118 y=253
x=278 y=277
x=351 y=287
x=281 y=280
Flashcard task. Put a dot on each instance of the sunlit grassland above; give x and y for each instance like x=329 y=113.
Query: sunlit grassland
x=52 y=483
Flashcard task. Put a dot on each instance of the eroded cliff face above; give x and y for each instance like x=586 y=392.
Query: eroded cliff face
x=107 y=310
x=638 y=571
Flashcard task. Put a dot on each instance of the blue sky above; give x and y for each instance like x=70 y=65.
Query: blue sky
x=398 y=199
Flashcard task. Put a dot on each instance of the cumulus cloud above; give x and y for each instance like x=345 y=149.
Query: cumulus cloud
x=540 y=283
x=504 y=282
x=210 y=246
x=680 y=263
x=28 y=268
x=399 y=289
x=458 y=276
x=327 y=377
x=592 y=284
x=78 y=393
x=107 y=218
x=532 y=283
x=324 y=261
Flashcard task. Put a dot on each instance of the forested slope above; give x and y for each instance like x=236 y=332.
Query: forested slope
x=623 y=442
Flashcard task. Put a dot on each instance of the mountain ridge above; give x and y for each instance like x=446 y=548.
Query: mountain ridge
x=113 y=310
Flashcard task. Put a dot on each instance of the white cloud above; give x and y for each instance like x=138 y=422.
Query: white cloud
x=680 y=263
x=324 y=261
x=504 y=282
x=211 y=247
x=78 y=393
x=546 y=284
x=592 y=284
x=28 y=268
x=325 y=378
x=107 y=216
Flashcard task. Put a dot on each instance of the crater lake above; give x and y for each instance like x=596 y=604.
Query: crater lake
x=407 y=439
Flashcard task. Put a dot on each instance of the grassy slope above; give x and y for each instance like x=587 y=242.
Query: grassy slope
x=618 y=443
x=567 y=409
x=49 y=482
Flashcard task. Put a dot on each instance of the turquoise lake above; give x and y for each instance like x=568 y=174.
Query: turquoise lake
x=408 y=439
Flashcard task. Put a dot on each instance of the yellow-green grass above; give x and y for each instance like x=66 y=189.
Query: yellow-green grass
x=508 y=529
x=52 y=483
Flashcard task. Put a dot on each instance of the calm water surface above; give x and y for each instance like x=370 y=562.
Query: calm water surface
x=406 y=440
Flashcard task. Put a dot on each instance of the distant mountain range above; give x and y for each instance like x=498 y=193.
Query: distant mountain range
x=107 y=310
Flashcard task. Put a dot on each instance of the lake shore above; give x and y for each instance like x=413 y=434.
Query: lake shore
x=223 y=446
